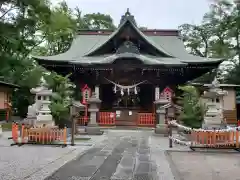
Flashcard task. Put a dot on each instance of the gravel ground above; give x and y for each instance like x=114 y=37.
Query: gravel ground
x=36 y=162
x=20 y=162
x=207 y=166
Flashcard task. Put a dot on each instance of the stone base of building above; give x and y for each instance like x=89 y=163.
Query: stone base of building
x=93 y=129
x=161 y=129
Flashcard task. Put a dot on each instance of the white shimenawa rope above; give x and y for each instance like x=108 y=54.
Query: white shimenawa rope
x=177 y=141
x=174 y=123
x=125 y=87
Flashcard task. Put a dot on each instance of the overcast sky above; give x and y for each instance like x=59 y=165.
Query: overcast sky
x=165 y=14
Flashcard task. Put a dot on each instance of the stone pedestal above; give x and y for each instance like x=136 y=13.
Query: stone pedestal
x=93 y=128
x=161 y=127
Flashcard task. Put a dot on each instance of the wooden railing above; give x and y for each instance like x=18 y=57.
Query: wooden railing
x=82 y=121
x=215 y=139
x=107 y=118
x=146 y=119
x=39 y=135
x=201 y=138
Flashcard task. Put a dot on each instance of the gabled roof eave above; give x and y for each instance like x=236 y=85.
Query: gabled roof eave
x=160 y=49
x=205 y=61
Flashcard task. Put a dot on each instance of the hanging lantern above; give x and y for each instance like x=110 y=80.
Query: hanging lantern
x=86 y=93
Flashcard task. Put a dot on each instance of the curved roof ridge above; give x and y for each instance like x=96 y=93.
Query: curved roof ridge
x=160 y=49
x=144 y=58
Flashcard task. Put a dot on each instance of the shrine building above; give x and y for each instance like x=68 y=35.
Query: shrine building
x=128 y=69
x=6 y=90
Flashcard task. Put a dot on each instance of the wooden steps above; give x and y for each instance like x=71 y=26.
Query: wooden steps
x=126 y=123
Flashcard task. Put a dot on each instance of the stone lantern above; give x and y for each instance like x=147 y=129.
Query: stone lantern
x=93 y=128
x=39 y=113
x=44 y=115
x=214 y=102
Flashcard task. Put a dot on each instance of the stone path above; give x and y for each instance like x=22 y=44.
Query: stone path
x=125 y=155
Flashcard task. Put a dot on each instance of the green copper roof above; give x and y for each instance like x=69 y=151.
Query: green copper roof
x=146 y=59
x=84 y=46
x=149 y=41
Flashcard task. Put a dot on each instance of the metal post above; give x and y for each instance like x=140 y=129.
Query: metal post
x=73 y=130
x=170 y=135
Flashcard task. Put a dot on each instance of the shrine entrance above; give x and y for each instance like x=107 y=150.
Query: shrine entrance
x=126 y=105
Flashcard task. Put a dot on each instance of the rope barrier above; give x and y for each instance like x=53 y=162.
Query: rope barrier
x=174 y=123
x=200 y=138
x=177 y=141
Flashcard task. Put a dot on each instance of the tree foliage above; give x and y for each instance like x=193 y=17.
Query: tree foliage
x=193 y=110
x=217 y=37
x=61 y=99
x=39 y=28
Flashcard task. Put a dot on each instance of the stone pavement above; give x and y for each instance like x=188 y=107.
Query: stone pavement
x=124 y=155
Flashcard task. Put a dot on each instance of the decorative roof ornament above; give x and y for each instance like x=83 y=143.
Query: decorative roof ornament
x=215 y=83
x=127 y=12
x=127 y=16
x=129 y=47
x=215 y=90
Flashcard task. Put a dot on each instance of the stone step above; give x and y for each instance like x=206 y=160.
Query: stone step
x=125 y=123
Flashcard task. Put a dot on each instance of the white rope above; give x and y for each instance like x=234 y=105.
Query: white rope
x=188 y=143
x=174 y=123
x=177 y=141
x=125 y=87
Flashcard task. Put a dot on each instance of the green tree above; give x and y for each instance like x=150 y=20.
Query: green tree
x=98 y=21
x=35 y=27
x=193 y=111
x=214 y=36
x=232 y=75
x=58 y=33
x=20 y=21
x=64 y=23
x=61 y=100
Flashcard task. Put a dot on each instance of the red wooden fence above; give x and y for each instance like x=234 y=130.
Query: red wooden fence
x=82 y=121
x=107 y=118
x=146 y=119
